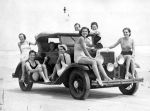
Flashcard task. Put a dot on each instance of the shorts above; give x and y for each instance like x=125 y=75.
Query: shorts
x=126 y=52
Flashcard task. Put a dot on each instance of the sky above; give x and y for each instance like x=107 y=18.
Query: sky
x=35 y=16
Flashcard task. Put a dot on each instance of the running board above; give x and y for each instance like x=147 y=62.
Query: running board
x=116 y=82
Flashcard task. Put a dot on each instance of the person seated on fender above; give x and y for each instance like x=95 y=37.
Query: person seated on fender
x=128 y=51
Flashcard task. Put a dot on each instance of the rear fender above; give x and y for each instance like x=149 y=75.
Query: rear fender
x=17 y=71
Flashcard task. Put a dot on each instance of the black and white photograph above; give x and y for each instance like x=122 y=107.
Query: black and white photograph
x=74 y=55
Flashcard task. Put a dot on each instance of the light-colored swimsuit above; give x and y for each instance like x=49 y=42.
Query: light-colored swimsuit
x=78 y=52
x=25 y=48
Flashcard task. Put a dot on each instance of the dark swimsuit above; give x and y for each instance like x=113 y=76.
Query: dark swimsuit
x=95 y=42
x=33 y=67
x=126 y=52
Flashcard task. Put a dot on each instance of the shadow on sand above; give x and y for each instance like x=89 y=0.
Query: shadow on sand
x=64 y=93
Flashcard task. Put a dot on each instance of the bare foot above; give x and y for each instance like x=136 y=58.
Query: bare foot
x=46 y=81
x=107 y=79
x=99 y=82
x=128 y=76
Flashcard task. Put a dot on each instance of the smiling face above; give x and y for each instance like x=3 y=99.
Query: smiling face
x=126 y=33
x=61 y=50
x=21 y=37
x=84 y=32
x=32 y=56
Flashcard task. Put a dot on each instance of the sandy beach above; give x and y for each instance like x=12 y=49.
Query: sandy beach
x=44 y=98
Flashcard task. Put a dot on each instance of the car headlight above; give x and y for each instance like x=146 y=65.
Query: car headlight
x=120 y=59
x=110 y=67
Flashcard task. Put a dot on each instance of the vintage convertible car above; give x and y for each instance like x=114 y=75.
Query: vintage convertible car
x=79 y=78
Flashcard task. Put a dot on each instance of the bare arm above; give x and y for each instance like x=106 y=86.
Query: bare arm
x=133 y=48
x=59 y=59
x=35 y=41
x=82 y=43
x=114 y=45
x=31 y=43
x=19 y=45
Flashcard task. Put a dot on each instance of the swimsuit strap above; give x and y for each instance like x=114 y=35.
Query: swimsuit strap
x=33 y=67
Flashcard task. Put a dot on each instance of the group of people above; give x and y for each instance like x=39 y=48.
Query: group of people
x=34 y=67
x=81 y=54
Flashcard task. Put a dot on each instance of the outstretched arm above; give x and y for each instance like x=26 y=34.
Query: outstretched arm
x=114 y=45
x=31 y=43
x=19 y=47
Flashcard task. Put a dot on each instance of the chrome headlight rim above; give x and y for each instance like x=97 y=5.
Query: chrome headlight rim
x=120 y=60
x=110 y=67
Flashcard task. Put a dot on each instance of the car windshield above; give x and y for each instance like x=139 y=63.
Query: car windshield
x=68 y=40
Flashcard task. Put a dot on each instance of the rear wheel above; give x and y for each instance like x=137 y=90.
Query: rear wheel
x=79 y=84
x=26 y=85
x=129 y=89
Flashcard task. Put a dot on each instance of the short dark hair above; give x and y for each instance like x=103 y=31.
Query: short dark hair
x=23 y=35
x=80 y=32
x=94 y=23
x=32 y=51
x=77 y=24
x=128 y=30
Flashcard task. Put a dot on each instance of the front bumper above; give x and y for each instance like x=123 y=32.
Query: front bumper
x=115 y=83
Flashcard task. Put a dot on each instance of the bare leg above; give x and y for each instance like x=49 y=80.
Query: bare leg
x=128 y=61
x=57 y=66
x=45 y=71
x=100 y=67
x=86 y=60
x=133 y=67
x=40 y=71
x=23 y=70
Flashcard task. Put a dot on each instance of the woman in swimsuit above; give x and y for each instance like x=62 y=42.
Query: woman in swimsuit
x=81 y=55
x=128 y=51
x=62 y=62
x=33 y=66
x=24 y=47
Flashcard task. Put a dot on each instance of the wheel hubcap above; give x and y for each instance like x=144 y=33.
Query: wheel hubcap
x=76 y=84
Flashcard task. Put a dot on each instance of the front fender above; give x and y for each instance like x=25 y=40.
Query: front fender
x=17 y=71
x=66 y=74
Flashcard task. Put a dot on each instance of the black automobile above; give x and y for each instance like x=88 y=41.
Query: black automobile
x=79 y=78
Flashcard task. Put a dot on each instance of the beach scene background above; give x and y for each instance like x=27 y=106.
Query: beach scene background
x=32 y=17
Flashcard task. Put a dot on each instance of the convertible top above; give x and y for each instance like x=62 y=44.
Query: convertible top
x=55 y=35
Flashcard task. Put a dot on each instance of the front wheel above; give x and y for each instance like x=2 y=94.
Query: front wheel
x=24 y=86
x=79 y=84
x=129 y=89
